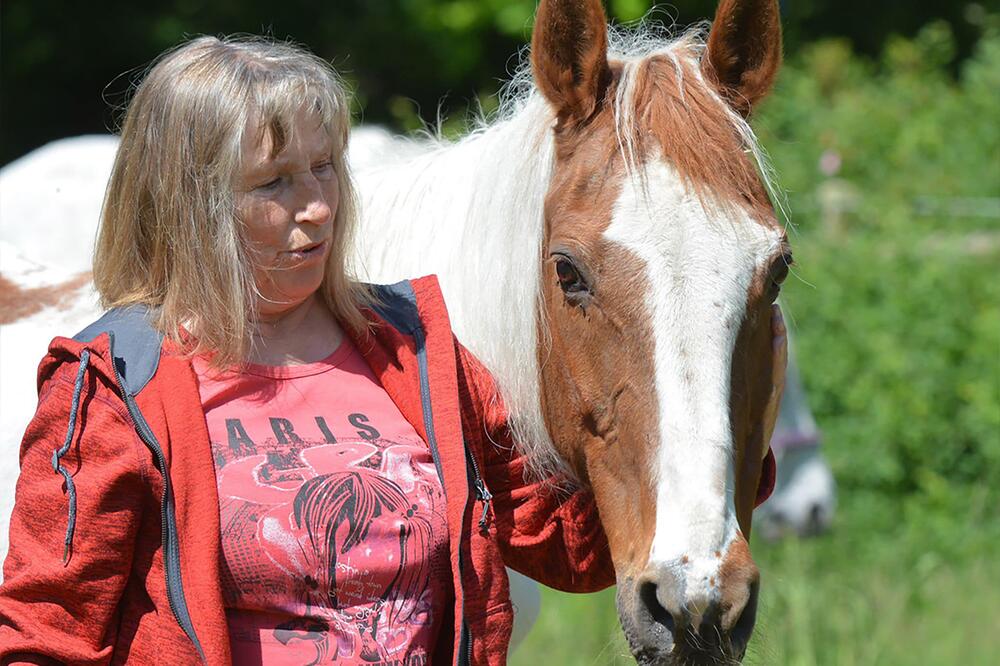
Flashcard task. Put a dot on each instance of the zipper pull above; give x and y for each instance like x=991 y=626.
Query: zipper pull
x=484 y=496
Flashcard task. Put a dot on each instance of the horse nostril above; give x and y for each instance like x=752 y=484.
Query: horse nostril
x=739 y=635
x=659 y=614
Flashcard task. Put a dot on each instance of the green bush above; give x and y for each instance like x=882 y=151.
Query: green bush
x=898 y=304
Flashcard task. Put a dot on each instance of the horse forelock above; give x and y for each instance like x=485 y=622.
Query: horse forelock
x=664 y=108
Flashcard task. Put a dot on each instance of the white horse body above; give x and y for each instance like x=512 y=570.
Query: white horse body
x=50 y=203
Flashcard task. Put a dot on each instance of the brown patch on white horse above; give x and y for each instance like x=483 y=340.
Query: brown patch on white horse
x=17 y=302
x=686 y=121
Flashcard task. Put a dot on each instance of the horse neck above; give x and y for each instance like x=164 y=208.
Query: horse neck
x=472 y=213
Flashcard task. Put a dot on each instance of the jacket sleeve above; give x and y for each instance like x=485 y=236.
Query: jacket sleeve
x=546 y=529
x=59 y=603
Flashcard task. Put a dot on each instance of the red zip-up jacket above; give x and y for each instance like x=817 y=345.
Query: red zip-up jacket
x=114 y=539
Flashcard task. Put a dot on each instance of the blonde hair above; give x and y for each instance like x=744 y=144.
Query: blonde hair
x=170 y=237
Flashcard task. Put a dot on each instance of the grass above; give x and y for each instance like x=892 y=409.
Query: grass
x=886 y=594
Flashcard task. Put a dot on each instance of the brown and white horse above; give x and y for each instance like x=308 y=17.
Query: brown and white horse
x=608 y=247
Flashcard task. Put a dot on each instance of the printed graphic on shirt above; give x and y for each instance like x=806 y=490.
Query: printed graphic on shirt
x=333 y=524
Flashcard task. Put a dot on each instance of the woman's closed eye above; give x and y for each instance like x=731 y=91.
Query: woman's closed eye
x=320 y=171
x=270 y=185
x=324 y=170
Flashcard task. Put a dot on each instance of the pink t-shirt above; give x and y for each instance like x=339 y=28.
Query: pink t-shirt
x=334 y=537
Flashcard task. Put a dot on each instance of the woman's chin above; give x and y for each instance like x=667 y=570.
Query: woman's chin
x=286 y=295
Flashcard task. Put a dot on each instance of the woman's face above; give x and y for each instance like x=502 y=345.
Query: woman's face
x=287 y=205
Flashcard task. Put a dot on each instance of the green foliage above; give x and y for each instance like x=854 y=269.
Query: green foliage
x=898 y=109
x=896 y=304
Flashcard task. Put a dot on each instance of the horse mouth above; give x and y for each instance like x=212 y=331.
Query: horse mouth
x=655 y=642
x=697 y=659
x=690 y=650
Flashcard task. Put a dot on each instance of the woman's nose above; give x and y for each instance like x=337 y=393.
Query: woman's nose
x=315 y=204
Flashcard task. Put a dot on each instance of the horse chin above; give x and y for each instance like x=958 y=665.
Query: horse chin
x=652 y=641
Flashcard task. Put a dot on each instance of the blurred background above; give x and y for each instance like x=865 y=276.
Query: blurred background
x=884 y=129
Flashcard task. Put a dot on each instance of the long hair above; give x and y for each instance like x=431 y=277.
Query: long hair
x=170 y=237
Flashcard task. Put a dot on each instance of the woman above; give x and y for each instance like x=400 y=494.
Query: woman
x=251 y=458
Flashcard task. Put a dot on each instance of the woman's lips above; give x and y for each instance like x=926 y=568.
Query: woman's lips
x=308 y=252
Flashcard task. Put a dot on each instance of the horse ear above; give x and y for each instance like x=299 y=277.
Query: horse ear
x=569 y=55
x=744 y=51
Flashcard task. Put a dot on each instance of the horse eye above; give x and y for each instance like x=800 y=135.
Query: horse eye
x=569 y=277
x=780 y=271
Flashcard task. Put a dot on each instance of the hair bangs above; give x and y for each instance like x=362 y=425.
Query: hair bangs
x=279 y=96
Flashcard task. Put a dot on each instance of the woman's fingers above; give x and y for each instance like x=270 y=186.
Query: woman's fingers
x=779 y=354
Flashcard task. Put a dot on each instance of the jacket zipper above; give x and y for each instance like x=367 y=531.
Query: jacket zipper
x=482 y=492
x=425 y=400
x=484 y=496
x=464 y=657
x=171 y=555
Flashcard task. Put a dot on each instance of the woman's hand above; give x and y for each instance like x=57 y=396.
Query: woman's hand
x=779 y=355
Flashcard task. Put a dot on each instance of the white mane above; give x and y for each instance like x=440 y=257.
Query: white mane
x=472 y=212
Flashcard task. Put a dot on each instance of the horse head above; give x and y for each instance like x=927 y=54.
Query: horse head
x=663 y=256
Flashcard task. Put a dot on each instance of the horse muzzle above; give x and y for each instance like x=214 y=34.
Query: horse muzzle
x=678 y=612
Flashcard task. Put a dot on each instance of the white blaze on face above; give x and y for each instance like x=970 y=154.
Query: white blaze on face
x=699 y=267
